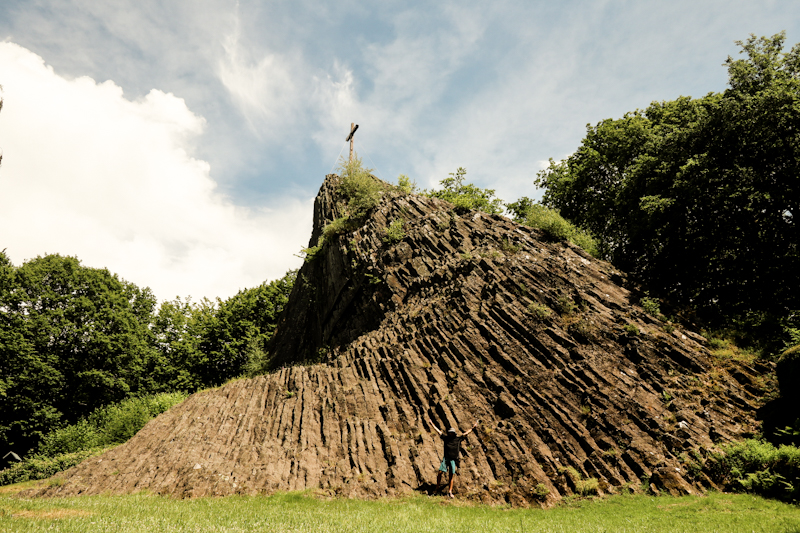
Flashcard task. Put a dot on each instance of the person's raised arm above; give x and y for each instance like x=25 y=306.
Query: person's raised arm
x=467 y=432
x=434 y=427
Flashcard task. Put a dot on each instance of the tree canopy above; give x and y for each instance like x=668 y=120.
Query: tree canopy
x=75 y=338
x=72 y=338
x=698 y=198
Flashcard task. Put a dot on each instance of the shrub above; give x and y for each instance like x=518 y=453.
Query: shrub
x=361 y=191
x=65 y=447
x=539 y=311
x=557 y=227
x=509 y=247
x=651 y=307
x=394 y=232
x=465 y=197
x=565 y=306
x=309 y=254
x=405 y=185
x=584 y=487
x=631 y=330
x=41 y=467
x=757 y=467
x=82 y=435
x=337 y=227
x=540 y=491
x=119 y=422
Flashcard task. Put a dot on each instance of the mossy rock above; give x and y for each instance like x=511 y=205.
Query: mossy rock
x=788 y=371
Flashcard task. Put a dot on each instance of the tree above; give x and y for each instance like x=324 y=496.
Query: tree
x=235 y=340
x=698 y=198
x=206 y=344
x=466 y=196
x=72 y=339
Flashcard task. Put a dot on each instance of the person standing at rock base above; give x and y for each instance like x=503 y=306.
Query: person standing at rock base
x=452 y=451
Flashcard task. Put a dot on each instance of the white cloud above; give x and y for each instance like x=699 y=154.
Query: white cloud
x=87 y=172
x=263 y=88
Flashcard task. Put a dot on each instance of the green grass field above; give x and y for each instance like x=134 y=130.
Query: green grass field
x=296 y=512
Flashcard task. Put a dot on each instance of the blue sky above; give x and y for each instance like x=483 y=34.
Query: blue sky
x=180 y=144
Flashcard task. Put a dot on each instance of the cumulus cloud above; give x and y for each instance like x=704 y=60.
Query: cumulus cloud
x=87 y=172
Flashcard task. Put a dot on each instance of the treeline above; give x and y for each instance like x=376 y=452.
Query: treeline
x=698 y=198
x=74 y=339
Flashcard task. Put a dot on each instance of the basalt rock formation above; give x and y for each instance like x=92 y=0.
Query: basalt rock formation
x=457 y=318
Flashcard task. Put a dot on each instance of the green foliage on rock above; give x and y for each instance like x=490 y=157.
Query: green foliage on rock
x=406 y=185
x=698 y=198
x=359 y=189
x=394 y=231
x=757 y=467
x=556 y=227
x=466 y=197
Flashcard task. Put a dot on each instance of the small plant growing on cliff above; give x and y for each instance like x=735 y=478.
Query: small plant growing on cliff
x=466 y=196
x=539 y=311
x=509 y=247
x=631 y=330
x=584 y=487
x=540 y=491
x=309 y=254
x=650 y=306
x=526 y=211
x=565 y=306
x=361 y=191
x=337 y=227
x=394 y=232
x=406 y=185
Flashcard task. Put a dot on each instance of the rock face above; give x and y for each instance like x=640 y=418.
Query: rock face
x=464 y=318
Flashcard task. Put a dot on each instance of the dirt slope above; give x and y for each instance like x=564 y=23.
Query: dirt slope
x=450 y=322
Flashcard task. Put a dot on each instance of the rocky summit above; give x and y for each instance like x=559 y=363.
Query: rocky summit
x=458 y=318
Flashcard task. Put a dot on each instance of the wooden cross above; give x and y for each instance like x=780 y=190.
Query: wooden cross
x=353 y=128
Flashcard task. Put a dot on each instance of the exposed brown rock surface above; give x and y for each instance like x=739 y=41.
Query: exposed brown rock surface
x=450 y=323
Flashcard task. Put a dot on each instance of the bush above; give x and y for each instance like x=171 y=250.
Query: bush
x=107 y=426
x=119 y=422
x=394 y=232
x=361 y=191
x=565 y=306
x=406 y=185
x=337 y=227
x=557 y=227
x=584 y=487
x=757 y=467
x=466 y=197
x=539 y=311
x=82 y=435
x=42 y=467
x=651 y=307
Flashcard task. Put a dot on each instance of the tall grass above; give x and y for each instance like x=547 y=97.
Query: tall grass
x=295 y=512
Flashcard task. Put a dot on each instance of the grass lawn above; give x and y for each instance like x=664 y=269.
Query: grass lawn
x=295 y=512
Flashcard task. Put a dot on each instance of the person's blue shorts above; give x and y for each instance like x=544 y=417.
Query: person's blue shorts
x=448 y=466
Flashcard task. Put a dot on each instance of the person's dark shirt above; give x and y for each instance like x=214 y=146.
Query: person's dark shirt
x=452 y=445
